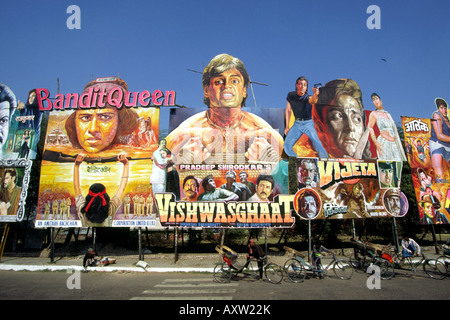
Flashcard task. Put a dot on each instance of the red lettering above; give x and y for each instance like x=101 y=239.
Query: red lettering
x=70 y=96
x=85 y=99
x=171 y=95
x=101 y=98
x=59 y=101
x=115 y=97
x=127 y=99
x=156 y=95
x=144 y=96
x=42 y=98
x=96 y=97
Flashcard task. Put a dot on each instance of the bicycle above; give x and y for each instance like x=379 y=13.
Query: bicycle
x=369 y=257
x=385 y=266
x=296 y=267
x=230 y=268
x=434 y=268
x=444 y=261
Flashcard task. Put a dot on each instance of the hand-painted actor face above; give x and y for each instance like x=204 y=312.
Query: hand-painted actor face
x=211 y=185
x=307 y=173
x=8 y=181
x=346 y=124
x=264 y=189
x=190 y=189
x=243 y=177
x=96 y=128
x=428 y=208
x=394 y=205
x=377 y=102
x=4 y=122
x=309 y=207
x=163 y=154
x=443 y=110
x=386 y=176
x=302 y=87
x=31 y=97
x=226 y=90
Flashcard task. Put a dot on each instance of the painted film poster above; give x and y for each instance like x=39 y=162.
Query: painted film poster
x=228 y=196
x=429 y=163
x=348 y=189
x=348 y=159
x=14 y=177
x=98 y=157
x=338 y=125
x=19 y=135
x=230 y=170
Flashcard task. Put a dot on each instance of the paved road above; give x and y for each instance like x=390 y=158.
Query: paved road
x=200 y=286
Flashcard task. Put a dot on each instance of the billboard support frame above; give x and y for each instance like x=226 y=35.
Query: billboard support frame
x=433 y=232
x=52 y=245
x=4 y=237
x=140 y=244
x=176 y=244
x=309 y=240
x=394 y=229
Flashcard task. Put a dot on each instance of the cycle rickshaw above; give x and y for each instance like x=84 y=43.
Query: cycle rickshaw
x=230 y=267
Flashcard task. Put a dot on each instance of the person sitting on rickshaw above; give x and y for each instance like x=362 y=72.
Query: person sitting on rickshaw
x=410 y=248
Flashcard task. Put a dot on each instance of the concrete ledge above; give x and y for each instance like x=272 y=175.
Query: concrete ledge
x=11 y=267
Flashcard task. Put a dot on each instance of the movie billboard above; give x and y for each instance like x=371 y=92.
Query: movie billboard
x=429 y=155
x=24 y=130
x=348 y=159
x=19 y=135
x=21 y=125
x=230 y=169
x=348 y=189
x=224 y=165
x=333 y=123
x=15 y=178
x=228 y=196
x=99 y=157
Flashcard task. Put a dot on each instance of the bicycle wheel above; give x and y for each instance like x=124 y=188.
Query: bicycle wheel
x=222 y=272
x=386 y=268
x=343 y=269
x=408 y=264
x=397 y=258
x=364 y=263
x=251 y=270
x=435 y=269
x=445 y=260
x=295 y=271
x=274 y=273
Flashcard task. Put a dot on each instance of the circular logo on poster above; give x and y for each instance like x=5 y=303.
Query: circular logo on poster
x=307 y=203
x=395 y=202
